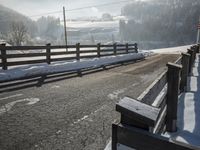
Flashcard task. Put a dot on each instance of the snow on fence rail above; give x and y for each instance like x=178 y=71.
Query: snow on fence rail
x=22 y=55
x=155 y=111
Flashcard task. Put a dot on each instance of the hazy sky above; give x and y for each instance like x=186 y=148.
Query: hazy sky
x=35 y=7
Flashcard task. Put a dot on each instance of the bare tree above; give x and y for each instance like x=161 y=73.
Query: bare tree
x=18 y=33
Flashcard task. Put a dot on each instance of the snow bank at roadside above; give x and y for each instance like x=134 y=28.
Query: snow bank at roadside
x=171 y=50
x=188 y=122
x=43 y=69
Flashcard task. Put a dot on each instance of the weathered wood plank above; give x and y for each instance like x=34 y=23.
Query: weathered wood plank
x=25 y=55
x=88 y=51
x=99 y=50
x=178 y=61
x=173 y=79
x=3 y=57
x=107 y=50
x=88 y=56
x=78 y=51
x=160 y=123
x=26 y=62
x=184 y=71
x=138 y=111
x=63 y=53
x=127 y=48
x=143 y=140
x=63 y=58
x=149 y=95
x=48 y=53
x=38 y=47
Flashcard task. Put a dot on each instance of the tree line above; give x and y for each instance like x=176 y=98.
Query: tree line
x=18 y=29
x=168 y=21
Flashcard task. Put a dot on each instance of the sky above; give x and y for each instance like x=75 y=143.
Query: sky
x=32 y=8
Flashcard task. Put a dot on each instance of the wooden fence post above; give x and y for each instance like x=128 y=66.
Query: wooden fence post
x=48 y=53
x=127 y=48
x=190 y=61
x=185 y=70
x=114 y=137
x=195 y=52
x=3 y=56
x=78 y=51
x=136 y=48
x=173 y=79
x=99 y=50
x=115 y=48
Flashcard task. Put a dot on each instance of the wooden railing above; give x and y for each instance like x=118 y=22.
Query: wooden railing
x=155 y=111
x=48 y=53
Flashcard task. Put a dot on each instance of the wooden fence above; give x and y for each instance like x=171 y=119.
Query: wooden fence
x=155 y=111
x=48 y=53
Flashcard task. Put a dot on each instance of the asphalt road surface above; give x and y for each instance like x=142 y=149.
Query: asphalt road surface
x=68 y=112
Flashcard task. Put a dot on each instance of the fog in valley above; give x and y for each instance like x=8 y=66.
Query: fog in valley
x=150 y=23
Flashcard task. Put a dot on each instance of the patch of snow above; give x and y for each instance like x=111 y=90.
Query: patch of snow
x=188 y=122
x=172 y=50
x=7 y=107
x=43 y=69
x=58 y=132
x=115 y=94
x=55 y=87
x=79 y=120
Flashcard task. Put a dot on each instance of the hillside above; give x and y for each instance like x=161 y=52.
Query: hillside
x=8 y=16
x=163 y=23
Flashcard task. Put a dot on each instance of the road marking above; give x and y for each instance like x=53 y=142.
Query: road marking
x=55 y=87
x=8 y=107
x=87 y=116
x=115 y=94
x=12 y=96
x=83 y=118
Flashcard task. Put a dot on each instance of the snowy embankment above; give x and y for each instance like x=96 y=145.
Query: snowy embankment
x=171 y=50
x=189 y=112
x=58 y=67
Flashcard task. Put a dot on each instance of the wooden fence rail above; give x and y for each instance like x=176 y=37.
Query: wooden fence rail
x=155 y=110
x=22 y=55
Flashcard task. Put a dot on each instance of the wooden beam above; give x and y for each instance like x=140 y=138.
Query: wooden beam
x=150 y=94
x=78 y=51
x=99 y=50
x=142 y=140
x=173 y=79
x=184 y=73
x=138 y=111
x=3 y=57
x=48 y=53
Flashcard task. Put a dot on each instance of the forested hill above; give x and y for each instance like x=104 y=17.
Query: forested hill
x=169 y=21
x=8 y=16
